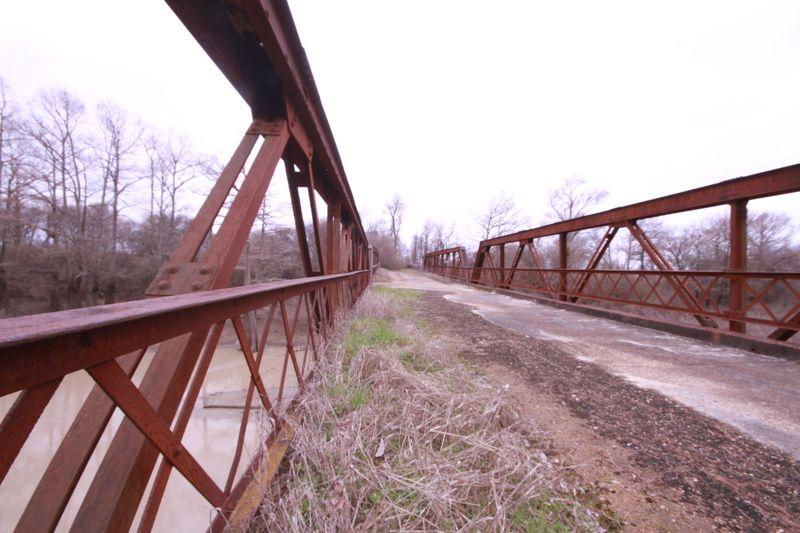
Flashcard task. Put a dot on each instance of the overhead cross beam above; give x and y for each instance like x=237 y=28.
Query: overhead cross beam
x=257 y=47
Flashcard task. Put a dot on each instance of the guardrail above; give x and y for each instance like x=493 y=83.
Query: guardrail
x=109 y=342
x=772 y=298
x=257 y=47
x=769 y=301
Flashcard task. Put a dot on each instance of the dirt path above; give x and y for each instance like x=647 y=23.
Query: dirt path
x=660 y=464
x=755 y=393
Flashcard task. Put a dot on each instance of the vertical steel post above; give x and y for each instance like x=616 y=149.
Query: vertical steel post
x=299 y=223
x=738 y=262
x=562 y=264
x=503 y=265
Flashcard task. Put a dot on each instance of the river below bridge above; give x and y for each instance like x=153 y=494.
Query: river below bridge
x=210 y=437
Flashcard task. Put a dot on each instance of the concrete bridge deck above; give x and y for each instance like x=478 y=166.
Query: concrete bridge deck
x=754 y=393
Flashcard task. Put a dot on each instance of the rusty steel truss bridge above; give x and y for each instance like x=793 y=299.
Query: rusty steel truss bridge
x=256 y=46
x=738 y=307
x=191 y=303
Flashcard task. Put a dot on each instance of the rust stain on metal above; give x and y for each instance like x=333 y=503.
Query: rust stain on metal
x=736 y=296
x=190 y=298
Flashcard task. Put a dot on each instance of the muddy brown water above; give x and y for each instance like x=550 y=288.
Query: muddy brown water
x=210 y=437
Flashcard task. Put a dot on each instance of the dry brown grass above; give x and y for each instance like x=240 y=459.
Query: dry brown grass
x=397 y=434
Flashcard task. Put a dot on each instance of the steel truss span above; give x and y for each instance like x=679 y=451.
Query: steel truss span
x=757 y=305
x=256 y=46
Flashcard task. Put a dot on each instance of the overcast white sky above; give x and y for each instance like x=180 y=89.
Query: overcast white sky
x=449 y=102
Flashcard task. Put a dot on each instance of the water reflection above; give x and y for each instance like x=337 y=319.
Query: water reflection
x=210 y=436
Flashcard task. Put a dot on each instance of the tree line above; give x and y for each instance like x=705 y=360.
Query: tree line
x=703 y=245
x=92 y=201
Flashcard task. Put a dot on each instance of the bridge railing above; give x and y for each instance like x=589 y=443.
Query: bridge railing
x=772 y=298
x=109 y=343
x=257 y=47
x=767 y=301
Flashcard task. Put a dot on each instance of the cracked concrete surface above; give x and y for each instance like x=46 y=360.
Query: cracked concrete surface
x=757 y=394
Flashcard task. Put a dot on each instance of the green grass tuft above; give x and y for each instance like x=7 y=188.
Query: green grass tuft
x=399 y=295
x=418 y=363
x=367 y=332
x=404 y=300
x=542 y=515
x=347 y=397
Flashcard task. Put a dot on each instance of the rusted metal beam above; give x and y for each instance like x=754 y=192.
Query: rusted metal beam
x=784 y=334
x=312 y=200
x=563 y=256
x=38 y=348
x=675 y=280
x=201 y=224
x=228 y=302
x=55 y=487
x=160 y=484
x=121 y=479
x=119 y=387
x=445 y=251
x=514 y=264
x=299 y=223
x=256 y=46
x=661 y=263
x=703 y=295
x=594 y=261
x=738 y=262
x=771 y=183
x=255 y=382
x=21 y=419
x=502 y=261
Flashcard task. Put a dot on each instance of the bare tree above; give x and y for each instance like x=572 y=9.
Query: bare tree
x=499 y=217
x=426 y=236
x=53 y=130
x=172 y=166
x=416 y=249
x=443 y=236
x=573 y=199
x=66 y=178
x=769 y=238
x=395 y=209
x=15 y=172
x=5 y=123
x=5 y=133
x=116 y=153
x=63 y=186
x=422 y=242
